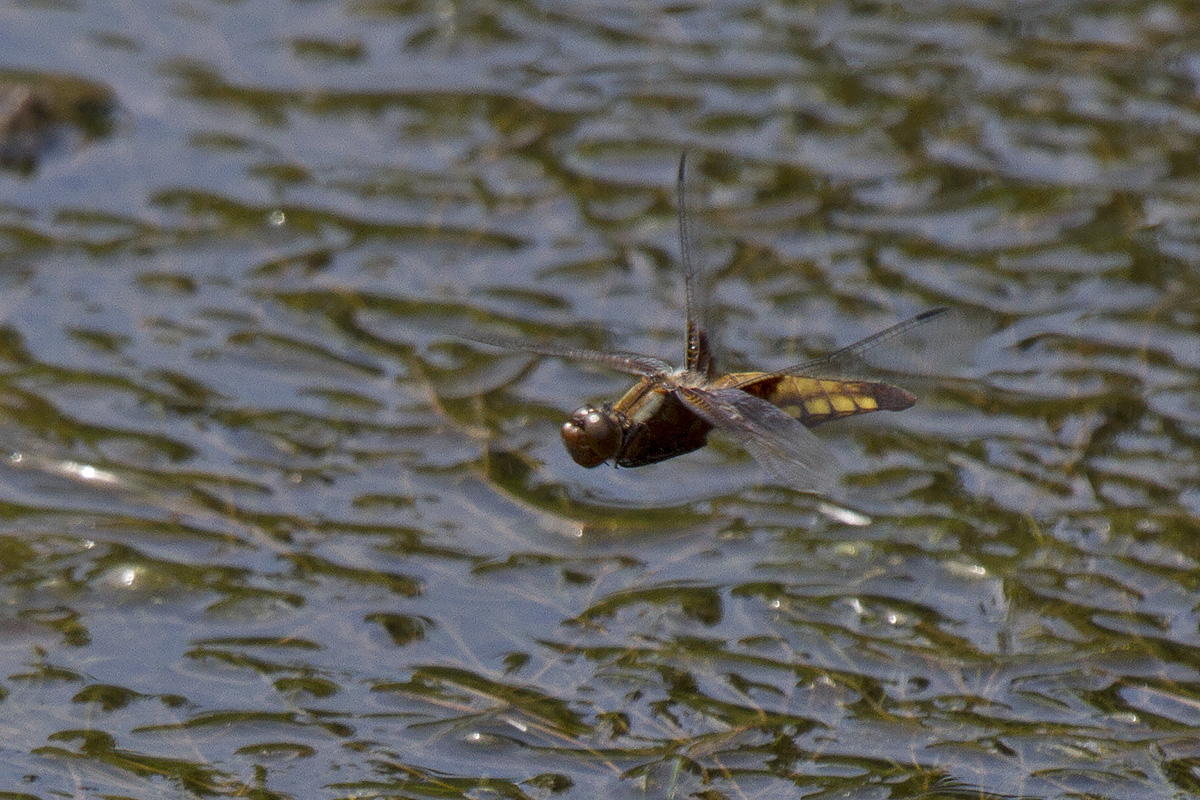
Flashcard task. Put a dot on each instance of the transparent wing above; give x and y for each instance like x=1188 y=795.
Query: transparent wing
x=697 y=353
x=851 y=361
x=630 y=363
x=787 y=449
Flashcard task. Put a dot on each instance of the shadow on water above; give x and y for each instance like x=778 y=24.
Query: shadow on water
x=269 y=529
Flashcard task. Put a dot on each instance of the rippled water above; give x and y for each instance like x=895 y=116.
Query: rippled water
x=269 y=528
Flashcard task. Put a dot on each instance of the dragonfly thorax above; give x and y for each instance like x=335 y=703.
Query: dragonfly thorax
x=592 y=436
x=685 y=377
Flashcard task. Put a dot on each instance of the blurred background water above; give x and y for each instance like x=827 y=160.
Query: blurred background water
x=269 y=529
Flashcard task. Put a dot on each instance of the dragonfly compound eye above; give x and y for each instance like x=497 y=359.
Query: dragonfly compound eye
x=591 y=436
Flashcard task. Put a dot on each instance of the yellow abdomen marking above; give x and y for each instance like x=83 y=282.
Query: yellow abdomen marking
x=817 y=406
x=842 y=402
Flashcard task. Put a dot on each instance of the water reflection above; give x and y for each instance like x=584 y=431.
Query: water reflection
x=44 y=112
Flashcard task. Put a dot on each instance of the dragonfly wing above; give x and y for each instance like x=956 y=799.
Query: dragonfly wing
x=942 y=332
x=630 y=363
x=698 y=354
x=787 y=449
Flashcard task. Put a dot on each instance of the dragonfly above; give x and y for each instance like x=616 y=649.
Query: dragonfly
x=671 y=410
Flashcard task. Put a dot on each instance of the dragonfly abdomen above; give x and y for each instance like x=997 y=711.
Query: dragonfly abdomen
x=817 y=400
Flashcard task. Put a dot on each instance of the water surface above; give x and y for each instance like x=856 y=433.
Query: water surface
x=268 y=528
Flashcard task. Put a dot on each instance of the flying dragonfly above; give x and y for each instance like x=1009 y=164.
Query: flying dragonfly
x=671 y=410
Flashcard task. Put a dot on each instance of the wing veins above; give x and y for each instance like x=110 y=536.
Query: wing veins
x=629 y=363
x=696 y=355
x=850 y=353
x=781 y=444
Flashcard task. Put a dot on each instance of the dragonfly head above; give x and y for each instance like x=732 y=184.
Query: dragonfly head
x=591 y=436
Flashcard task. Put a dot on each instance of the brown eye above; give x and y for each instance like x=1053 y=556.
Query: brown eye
x=591 y=436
